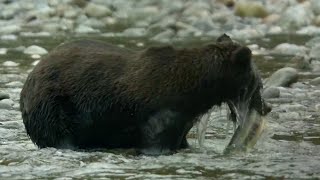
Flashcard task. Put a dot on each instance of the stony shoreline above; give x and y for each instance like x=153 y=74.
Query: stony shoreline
x=166 y=21
x=161 y=20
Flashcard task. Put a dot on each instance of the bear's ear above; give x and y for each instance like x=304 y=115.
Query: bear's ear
x=224 y=38
x=241 y=56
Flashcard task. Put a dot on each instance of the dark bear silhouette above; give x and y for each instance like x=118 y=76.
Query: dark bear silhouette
x=88 y=94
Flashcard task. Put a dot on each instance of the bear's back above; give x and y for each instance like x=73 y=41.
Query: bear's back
x=81 y=69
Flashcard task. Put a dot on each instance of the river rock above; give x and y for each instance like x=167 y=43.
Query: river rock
x=297 y=16
x=14 y=84
x=9 y=37
x=4 y=96
x=3 y=51
x=35 y=34
x=95 y=10
x=315 y=67
x=275 y=30
x=7 y=13
x=164 y=36
x=6 y=104
x=301 y=62
x=315 y=5
x=247 y=33
x=134 y=32
x=143 y=12
x=109 y=20
x=271 y=19
x=10 y=64
x=83 y=29
x=10 y=29
x=204 y=24
x=315 y=52
x=250 y=9
x=51 y=27
x=283 y=77
x=93 y=22
x=289 y=49
x=315 y=81
x=33 y=49
x=198 y=9
x=271 y=92
x=316 y=21
x=313 y=42
x=309 y=30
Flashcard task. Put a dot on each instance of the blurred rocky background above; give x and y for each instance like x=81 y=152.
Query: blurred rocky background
x=161 y=20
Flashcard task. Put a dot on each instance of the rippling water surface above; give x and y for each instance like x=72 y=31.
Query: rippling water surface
x=289 y=147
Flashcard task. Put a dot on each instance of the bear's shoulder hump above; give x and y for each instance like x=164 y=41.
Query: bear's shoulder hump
x=160 y=52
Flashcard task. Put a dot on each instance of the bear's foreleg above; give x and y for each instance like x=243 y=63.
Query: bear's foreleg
x=163 y=133
x=184 y=143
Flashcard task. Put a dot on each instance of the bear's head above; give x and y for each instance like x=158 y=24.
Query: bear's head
x=241 y=79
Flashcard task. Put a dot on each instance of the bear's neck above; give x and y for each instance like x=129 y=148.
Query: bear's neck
x=199 y=69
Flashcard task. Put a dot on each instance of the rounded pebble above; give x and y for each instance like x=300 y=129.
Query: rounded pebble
x=290 y=49
x=83 y=29
x=315 y=52
x=9 y=37
x=6 y=104
x=3 y=51
x=35 y=50
x=10 y=64
x=271 y=92
x=14 y=84
x=134 y=32
x=96 y=10
x=283 y=77
x=4 y=96
x=315 y=81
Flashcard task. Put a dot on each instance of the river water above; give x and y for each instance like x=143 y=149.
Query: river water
x=289 y=148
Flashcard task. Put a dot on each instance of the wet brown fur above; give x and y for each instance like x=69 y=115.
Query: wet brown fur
x=88 y=94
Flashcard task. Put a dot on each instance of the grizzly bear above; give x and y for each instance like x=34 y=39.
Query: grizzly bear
x=89 y=94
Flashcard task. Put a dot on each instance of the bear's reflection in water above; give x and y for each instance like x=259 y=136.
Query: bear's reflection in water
x=89 y=94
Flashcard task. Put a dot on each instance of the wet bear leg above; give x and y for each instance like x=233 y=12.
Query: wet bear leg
x=184 y=143
x=163 y=133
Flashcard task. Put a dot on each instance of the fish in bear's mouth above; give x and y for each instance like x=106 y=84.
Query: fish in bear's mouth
x=249 y=122
x=247 y=132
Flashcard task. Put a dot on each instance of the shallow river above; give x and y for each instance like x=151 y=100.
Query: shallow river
x=289 y=147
